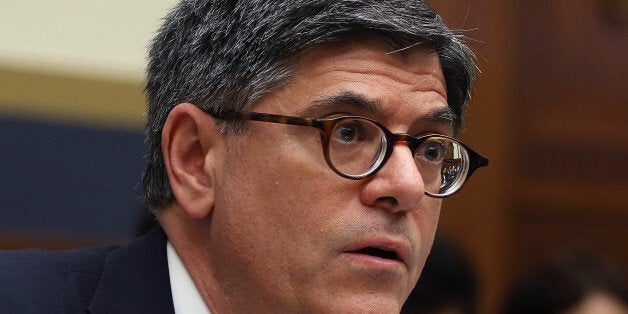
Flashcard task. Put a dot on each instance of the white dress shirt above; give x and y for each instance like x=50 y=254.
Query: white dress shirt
x=185 y=296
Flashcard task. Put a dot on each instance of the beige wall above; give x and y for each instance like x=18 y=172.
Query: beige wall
x=105 y=39
x=77 y=61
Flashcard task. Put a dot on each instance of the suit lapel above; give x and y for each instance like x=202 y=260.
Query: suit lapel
x=135 y=278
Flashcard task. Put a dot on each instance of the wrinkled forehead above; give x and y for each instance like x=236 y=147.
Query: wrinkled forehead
x=367 y=78
x=404 y=63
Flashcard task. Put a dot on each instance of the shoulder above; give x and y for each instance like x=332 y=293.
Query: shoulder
x=39 y=264
x=37 y=279
x=130 y=279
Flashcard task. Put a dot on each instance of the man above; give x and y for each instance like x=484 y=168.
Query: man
x=279 y=164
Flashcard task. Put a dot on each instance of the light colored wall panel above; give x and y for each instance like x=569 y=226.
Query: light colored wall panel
x=101 y=38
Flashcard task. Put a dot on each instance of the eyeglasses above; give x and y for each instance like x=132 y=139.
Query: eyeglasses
x=356 y=147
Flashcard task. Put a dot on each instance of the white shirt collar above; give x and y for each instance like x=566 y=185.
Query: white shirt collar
x=185 y=296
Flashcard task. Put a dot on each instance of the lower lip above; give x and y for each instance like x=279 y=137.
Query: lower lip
x=373 y=261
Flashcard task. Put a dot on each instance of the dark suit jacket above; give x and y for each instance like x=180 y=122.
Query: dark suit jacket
x=112 y=279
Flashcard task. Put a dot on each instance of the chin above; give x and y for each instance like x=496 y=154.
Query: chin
x=365 y=303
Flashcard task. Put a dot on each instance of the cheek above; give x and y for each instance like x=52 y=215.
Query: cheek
x=428 y=223
x=280 y=211
x=282 y=190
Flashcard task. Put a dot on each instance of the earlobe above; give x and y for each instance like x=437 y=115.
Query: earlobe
x=191 y=145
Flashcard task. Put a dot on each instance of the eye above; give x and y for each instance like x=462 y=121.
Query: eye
x=432 y=151
x=347 y=132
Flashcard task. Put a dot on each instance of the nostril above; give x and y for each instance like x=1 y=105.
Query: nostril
x=389 y=199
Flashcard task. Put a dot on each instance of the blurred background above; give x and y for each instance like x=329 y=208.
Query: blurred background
x=550 y=110
x=71 y=119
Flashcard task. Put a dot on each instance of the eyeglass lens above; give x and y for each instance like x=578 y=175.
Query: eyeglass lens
x=357 y=147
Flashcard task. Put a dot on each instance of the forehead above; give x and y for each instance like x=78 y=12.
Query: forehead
x=408 y=80
x=405 y=64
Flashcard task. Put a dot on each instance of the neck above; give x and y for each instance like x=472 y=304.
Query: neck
x=214 y=278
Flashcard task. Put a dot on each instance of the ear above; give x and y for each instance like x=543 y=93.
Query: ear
x=191 y=143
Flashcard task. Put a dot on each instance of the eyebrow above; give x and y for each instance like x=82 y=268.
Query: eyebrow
x=443 y=115
x=345 y=99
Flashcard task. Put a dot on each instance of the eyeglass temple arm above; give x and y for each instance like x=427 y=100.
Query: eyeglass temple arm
x=265 y=117
x=477 y=161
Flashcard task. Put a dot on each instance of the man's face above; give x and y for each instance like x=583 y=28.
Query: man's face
x=288 y=231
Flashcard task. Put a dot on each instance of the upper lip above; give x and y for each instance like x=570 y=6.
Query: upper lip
x=401 y=248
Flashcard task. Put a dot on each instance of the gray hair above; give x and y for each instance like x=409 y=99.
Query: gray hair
x=228 y=54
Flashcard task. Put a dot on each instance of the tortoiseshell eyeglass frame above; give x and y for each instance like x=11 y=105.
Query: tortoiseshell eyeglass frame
x=326 y=127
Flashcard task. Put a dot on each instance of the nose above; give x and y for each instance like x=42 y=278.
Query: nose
x=398 y=185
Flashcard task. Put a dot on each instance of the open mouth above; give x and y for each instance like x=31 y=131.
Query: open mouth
x=380 y=252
